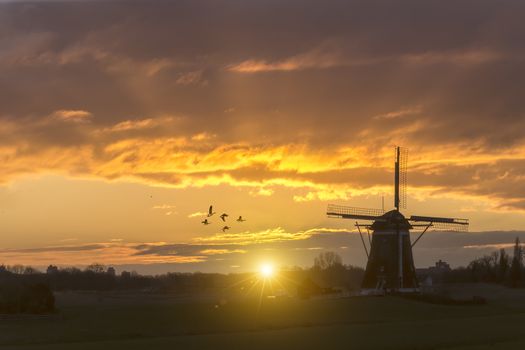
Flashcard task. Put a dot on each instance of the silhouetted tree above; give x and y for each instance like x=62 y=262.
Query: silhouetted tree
x=52 y=269
x=18 y=269
x=517 y=264
x=28 y=270
x=19 y=297
x=503 y=265
x=327 y=260
x=329 y=271
x=484 y=269
x=96 y=268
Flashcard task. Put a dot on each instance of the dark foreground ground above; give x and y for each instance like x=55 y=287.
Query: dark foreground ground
x=141 y=321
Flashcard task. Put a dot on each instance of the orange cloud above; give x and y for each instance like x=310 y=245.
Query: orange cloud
x=314 y=173
x=324 y=56
x=72 y=115
x=197 y=214
x=333 y=54
x=277 y=234
x=113 y=252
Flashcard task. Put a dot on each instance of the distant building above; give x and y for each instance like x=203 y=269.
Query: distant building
x=433 y=274
x=441 y=266
x=111 y=271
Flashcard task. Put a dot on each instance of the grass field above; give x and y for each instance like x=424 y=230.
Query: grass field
x=135 y=321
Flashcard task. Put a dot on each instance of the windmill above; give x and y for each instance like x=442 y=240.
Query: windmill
x=390 y=266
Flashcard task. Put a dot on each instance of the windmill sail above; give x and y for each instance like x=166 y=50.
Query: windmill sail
x=400 y=178
x=344 y=212
x=438 y=223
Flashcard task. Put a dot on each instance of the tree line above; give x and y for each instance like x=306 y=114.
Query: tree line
x=327 y=272
x=498 y=267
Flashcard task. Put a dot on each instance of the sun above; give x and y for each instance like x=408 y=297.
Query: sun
x=266 y=270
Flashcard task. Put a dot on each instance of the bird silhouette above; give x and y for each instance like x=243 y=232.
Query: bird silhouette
x=225 y=228
x=224 y=216
x=240 y=219
x=210 y=211
x=206 y=222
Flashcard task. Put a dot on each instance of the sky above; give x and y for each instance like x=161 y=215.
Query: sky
x=122 y=121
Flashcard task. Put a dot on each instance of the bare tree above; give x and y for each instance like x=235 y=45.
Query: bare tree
x=96 y=268
x=18 y=269
x=517 y=264
x=503 y=265
x=326 y=260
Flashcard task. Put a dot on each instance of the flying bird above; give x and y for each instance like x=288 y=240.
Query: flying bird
x=210 y=211
x=225 y=228
x=224 y=216
x=240 y=219
x=206 y=222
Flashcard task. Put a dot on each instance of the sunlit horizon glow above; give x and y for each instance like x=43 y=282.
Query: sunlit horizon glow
x=267 y=270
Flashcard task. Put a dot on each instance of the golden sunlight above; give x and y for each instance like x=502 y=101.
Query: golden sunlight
x=267 y=270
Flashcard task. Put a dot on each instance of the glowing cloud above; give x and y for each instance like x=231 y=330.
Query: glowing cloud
x=72 y=115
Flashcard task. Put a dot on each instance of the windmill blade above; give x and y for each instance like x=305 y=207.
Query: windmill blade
x=443 y=224
x=438 y=219
x=400 y=177
x=403 y=163
x=344 y=212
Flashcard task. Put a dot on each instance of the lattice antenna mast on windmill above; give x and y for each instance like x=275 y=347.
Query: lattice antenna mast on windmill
x=390 y=266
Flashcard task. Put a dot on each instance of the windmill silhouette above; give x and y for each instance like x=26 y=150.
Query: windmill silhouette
x=390 y=266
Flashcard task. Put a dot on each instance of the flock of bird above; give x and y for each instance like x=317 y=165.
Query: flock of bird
x=223 y=217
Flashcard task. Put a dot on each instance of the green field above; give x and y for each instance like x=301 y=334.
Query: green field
x=142 y=321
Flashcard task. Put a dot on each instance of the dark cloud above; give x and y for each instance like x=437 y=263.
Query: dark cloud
x=264 y=75
x=187 y=250
x=456 y=248
x=70 y=248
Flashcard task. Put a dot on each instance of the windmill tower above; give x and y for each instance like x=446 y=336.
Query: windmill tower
x=390 y=266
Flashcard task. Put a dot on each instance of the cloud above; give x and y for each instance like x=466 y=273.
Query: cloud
x=199 y=251
x=312 y=59
x=70 y=248
x=269 y=235
x=191 y=78
x=166 y=208
x=399 y=113
x=333 y=55
x=163 y=206
x=222 y=251
x=266 y=104
x=111 y=252
x=277 y=234
x=73 y=116
x=288 y=248
x=197 y=214
x=490 y=246
x=265 y=192
x=141 y=124
x=316 y=174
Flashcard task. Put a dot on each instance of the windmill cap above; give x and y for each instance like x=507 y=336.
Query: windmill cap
x=391 y=220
